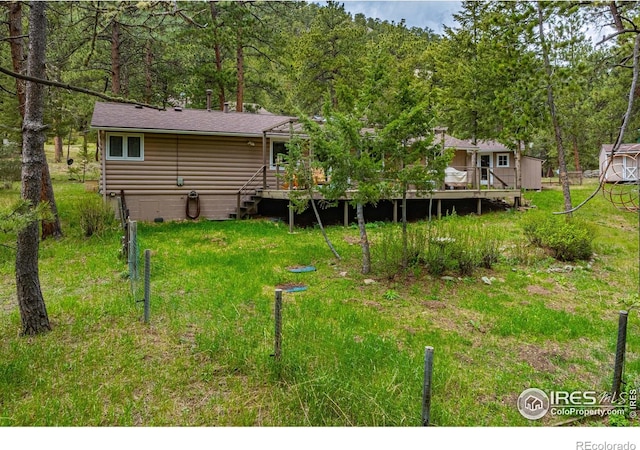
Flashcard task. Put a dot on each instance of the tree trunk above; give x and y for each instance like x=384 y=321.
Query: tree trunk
x=148 y=77
x=50 y=228
x=405 y=239
x=218 y=55
x=17 y=53
x=240 y=73
x=33 y=311
x=576 y=154
x=617 y=20
x=57 y=145
x=364 y=240
x=562 y=162
x=115 y=58
x=322 y=230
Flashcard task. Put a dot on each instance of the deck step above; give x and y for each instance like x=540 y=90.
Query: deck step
x=249 y=208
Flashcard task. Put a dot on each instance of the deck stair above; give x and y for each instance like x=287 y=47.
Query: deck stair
x=248 y=206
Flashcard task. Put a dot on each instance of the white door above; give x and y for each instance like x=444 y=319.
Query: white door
x=630 y=169
x=485 y=163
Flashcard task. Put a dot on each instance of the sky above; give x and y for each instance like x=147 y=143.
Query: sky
x=417 y=13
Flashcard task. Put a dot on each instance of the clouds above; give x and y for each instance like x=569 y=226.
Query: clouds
x=425 y=13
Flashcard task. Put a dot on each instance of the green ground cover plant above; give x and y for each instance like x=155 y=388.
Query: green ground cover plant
x=352 y=351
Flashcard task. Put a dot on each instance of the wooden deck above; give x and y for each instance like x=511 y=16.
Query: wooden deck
x=512 y=196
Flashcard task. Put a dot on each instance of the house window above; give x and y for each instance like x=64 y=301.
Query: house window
x=503 y=160
x=278 y=148
x=125 y=146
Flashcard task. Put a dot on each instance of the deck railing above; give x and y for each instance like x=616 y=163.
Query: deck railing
x=476 y=178
x=484 y=178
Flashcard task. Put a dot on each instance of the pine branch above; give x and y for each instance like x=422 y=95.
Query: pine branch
x=76 y=89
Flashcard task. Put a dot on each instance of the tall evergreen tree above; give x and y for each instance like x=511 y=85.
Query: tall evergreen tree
x=33 y=311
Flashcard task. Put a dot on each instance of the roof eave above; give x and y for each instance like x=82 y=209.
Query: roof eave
x=166 y=131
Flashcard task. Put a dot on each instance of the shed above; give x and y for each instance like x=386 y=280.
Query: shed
x=624 y=165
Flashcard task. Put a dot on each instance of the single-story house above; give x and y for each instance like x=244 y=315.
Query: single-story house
x=183 y=163
x=623 y=167
x=490 y=164
x=157 y=158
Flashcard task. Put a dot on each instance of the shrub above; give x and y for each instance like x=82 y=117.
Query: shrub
x=566 y=239
x=96 y=216
x=452 y=245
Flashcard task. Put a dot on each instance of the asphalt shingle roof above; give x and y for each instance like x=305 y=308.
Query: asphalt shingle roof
x=120 y=116
x=624 y=148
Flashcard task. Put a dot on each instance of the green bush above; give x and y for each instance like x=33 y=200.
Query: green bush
x=96 y=216
x=453 y=245
x=565 y=238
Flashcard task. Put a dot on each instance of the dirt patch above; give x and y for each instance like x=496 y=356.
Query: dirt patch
x=434 y=304
x=217 y=240
x=373 y=304
x=561 y=299
x=352 y=240
x=541 y=359
x=538 y=290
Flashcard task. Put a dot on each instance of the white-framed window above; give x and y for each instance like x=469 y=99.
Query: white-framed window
x=125 y=146
x=277 y=148
x=503 y=160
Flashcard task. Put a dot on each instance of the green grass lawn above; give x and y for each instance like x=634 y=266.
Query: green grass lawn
x=352 y=352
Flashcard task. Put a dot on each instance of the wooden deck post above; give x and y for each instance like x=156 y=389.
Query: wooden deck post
x=291 y=217
x=346 y=213
x=475 y=183
x=439 y=207
x=395 y=211
x=264 y=160
x=518 y=164
x=479 y=206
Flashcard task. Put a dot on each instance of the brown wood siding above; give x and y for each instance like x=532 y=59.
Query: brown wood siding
x=215 y=167
x=459 y=160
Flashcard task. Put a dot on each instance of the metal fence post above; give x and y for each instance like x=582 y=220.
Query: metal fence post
x=278 y=325
x=147 y=285
x=620 y=351
x=426 y=388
